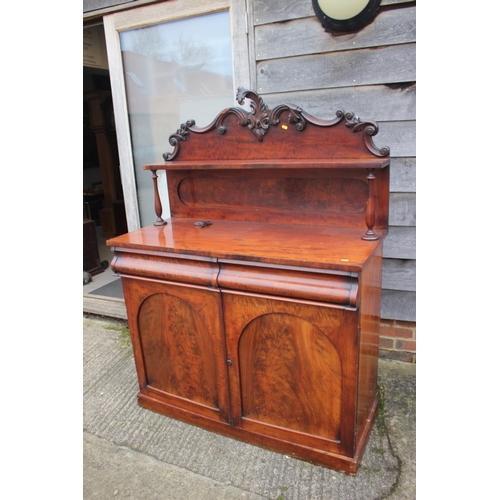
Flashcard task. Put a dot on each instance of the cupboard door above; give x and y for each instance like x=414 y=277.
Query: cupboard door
x=179 y=345
x=293 y=370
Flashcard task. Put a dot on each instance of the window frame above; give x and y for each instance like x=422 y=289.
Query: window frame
x=148 y=15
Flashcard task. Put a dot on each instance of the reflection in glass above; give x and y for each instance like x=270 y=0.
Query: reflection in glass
x=174 y=72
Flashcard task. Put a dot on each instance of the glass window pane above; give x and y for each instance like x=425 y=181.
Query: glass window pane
x=174 y=72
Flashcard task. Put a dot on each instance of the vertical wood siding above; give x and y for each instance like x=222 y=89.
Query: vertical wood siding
x=371 y=72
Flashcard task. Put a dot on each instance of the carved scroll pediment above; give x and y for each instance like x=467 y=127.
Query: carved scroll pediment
x=369 y=129
x=260 y=118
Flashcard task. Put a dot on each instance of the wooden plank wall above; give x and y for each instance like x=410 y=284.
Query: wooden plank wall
x=93 y=5
x=371 y=72
x=90 y=5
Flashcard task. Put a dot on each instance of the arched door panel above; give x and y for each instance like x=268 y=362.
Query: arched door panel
x=292 y=370
x=285 y=364
x=179 y=348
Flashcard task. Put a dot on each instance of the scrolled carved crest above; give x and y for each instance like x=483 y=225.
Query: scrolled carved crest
x=259 y=119
x=180 y=135
x=369 y=129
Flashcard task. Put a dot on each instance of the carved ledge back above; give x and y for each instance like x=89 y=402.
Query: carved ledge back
x=278 y=165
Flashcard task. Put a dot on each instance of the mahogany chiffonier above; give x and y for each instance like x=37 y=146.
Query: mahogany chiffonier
x=254 y=310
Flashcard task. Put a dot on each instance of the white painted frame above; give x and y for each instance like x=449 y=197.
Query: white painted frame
x=156 y=14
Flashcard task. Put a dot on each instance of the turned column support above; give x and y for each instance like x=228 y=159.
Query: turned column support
x=370 y=209
x=158 y=206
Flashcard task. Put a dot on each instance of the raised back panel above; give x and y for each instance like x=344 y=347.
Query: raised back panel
x=277 y=165
x=297 y=196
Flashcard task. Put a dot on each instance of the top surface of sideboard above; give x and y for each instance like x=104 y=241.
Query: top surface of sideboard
x=280 y=244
